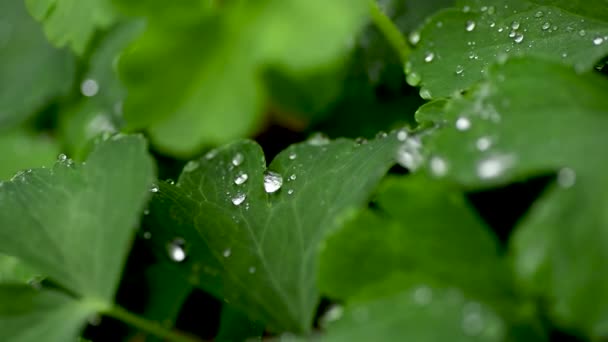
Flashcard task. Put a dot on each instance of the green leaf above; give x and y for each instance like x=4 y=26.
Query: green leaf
x=443 y=315
x=236 y=327
x=458 y=45
x=254 y=249
x=504 y=131
x=31 y=71
x=216 y=92
x=75 y=222
x=12 y=270
x=21 y=149
x=72 y=22
x=418 y=228
x=30 y=315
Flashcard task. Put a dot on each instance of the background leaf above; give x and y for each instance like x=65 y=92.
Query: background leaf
x=21 y=149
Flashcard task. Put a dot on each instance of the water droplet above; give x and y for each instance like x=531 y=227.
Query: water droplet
x=512 y=34
x=463 y=124
x=425 y=93
x=292 y=156
x=429 y=56
x=472 y=320
x=191 y=166
x=176 y=250
x=290 y=192
x=422 y=295
x=515 y=25
x=492 y=24
x=272 y=181
x=147 y=235
x=582 y=33
x=414 y=37
x=211 y=154
x=334 y=313
x=154 y=188
x=469 y=25
x=566 y=177
x=494 y=166
x=241 y=178
x=546 y=26
x=293 y=177
x=89 y=87
x=518 y=38
x=62 y=158
x=466 y=9
x=408 y=154
x=381 y=135
x=439 y=167
x=238 y=199
x=360 y=141
x=238 y=159
x=402 y=135
x=413 y=79
x=539 y=14
x=483 y=143
x=251 y=269
x=459 y=69
x=598 y=40
x=227 y=252
x=318 y=139
x=491 y=10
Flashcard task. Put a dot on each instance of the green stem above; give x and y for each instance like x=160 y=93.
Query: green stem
x=389 y=30
x=151 y=327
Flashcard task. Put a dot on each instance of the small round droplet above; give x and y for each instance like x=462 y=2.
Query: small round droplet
x=241 y=178
x=413 y=79
x=582 y=33
x=518 y=38
x=176 y=250
x=211 y=154
x=147 y=235
x=515 y=25
x=334 y=313
x=494 y=166
x=89 y=87
x=272 y=182
x=429 y=56
x=292 y=156
x=422 y=295
x=466 y=9
x=238 y=199
x=290 y=192
x=227 y=252
x=463 y=124
x=238 y=159
x=293 y=177
x=409 y=155
x=154 y=188
x=62 y=158
x=425 y=93
x=598 y=40
x=483 y=143
x=402 y=135
x=459 y=69
x=546 y=26
x=318 y=139
x=414 y=37
x=539 y=14
x=566 y=178
x=469 y=25
x=439 y=167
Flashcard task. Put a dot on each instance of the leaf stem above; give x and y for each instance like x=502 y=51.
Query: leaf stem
x=390 y=32
x=151 y=327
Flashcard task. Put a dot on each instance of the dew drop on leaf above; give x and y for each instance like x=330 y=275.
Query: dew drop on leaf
x=408 y=154
x=154 y=188
x=334 y=313
x=582 y=33
x=252 y=269
x=147 y=235
x=62 y=158
x=227 y=252
x=429 y=56
x=241 y=178
x=176 y=250
x=191 y=166
x=439 y=167
x=539 y=14
x=598 y=40
x=494 y=166
x=483 y=143
x=469 y=25
x=518 y=38
x=272 y=182
x=292 y=156
x=566 y=178
x=515 y=25
x=459 y=69
x=89 y=87
x=422 y=295
x=238 y=199
x=414 y=37
x=463 y=124
x=402 y=135
x=290 y=192
x=413 y=79
x=318 y=139
x=546 y=26
x=238 y=159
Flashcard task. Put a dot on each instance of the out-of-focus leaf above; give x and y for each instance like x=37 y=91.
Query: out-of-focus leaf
x=20 y=149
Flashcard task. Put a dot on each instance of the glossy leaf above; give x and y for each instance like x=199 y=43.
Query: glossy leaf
x=72 y=22
x=457 y=45
x=78 y=219
x=32 y=72
x=216 y=91
x=504 y=131
x=249 y=236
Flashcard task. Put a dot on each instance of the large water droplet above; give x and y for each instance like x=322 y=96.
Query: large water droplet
x=515 y=25
x=518 y=38
x=413 y=79
x=272 y=181
x=494 y=166
x=318 y=139
x=414 y=37
x=463 y=123
x=241 y=178
x=402 y=135
x=292 y=156
x=154 y=188
x=409 y=155
x=598 y=40
x=566 y=177
x=469 y=25
x=546 y=26
x=439 y=167
x=429 y=56
x=238 y=199
x=422 y=295
x=89 y=87
x=238 y=159
x=176 y=250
